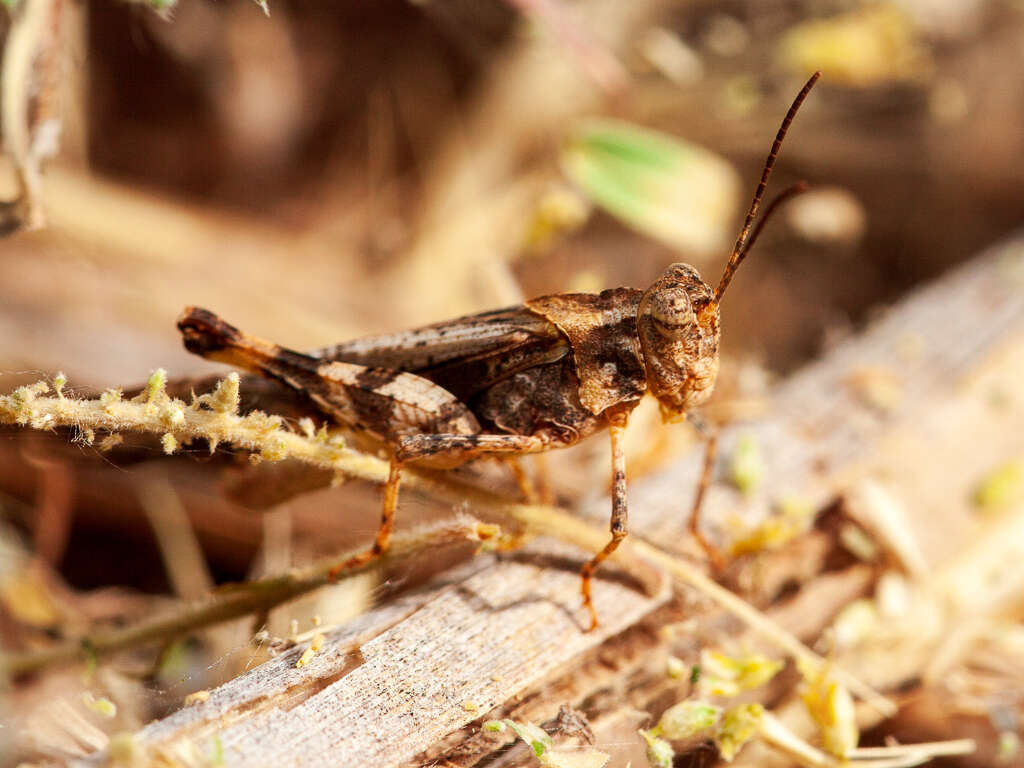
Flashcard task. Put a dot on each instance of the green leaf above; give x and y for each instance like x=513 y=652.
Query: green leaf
x=667 y=188
x=162 y=7
x=688 y=718
x=746 y=466
x=659 y=751
x=217 y=756
x=536 y=737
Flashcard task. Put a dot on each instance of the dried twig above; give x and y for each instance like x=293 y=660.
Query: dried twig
x=778 y=736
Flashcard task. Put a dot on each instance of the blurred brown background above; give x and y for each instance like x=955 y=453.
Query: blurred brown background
x=309 y=174
x=344 y=168
x=341 y=168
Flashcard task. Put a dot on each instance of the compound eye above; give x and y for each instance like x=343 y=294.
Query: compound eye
x=672 y=313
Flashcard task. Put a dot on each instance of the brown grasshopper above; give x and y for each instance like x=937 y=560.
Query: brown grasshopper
x=524 y=379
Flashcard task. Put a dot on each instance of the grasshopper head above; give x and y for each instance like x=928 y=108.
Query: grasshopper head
x=677 y=319
x=677 y=322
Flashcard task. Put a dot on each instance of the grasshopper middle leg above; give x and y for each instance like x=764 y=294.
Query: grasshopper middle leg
x=527 y=487
x=423 y=446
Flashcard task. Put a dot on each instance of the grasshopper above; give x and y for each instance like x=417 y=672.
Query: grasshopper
x=518 y=380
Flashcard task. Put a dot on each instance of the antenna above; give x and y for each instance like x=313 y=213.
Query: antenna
x=742 y=247
x=799 y=188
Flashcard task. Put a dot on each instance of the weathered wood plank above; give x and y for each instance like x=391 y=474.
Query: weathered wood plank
x=391 y=687
x=375 y=696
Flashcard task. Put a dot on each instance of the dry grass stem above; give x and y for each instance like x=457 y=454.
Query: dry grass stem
x=777 y=735
x=233 y=601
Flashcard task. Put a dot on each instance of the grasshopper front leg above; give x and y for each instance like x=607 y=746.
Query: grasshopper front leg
x=710 y=452
x=427 y=446
x=620 y=512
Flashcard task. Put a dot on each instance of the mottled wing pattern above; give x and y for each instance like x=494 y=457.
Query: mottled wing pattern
x=385 y=403
x=466 y=355
x=602 y=331
x=389 y=404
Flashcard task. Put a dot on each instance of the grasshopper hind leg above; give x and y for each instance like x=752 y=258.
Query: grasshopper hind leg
x=387 y=525
x=419 y=447
x=464 y=447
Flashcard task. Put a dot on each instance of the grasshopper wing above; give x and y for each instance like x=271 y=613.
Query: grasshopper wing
x=385 y=403
x=466 y=355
